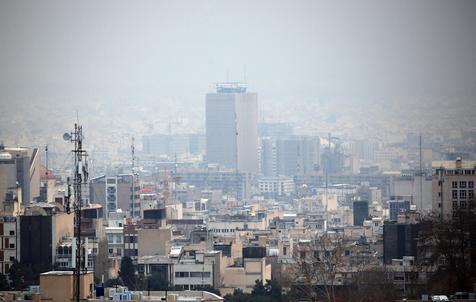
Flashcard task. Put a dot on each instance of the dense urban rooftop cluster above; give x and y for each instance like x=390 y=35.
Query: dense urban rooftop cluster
x=245 y=210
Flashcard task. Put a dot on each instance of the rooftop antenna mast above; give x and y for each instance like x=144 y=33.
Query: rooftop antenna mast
x=80 y=178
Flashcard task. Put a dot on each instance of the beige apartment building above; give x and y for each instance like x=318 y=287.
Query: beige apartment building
x=453 y=187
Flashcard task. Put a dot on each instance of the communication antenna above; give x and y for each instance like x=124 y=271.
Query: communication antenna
x=80 y=178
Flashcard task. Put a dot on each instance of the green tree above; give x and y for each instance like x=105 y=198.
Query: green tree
x=274 y=289
x=128 y=272
x=21 y=276
x=156 y=281
x=259 y=289
x=4 y=283
x=238 y=296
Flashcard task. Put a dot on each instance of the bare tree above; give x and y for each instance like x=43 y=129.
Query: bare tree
x=318 y=261
x=373 y=284
x=446 y=246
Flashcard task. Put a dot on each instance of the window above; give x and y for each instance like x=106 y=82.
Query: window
x=455 y=194
x=181 y=274
x=196 y=274
x=12 y=245
x=462 y=194
x=471 y=194
x=470 y=184
x=462 y=184
x=12 y=258
x=455 y=184
x=284 y=251
x=12 y=233
x=470 y=204
x=455 y=205
x=463 y=204
x=111 y=251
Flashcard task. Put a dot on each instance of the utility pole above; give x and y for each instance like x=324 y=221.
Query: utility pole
x=327 y=181
x=80 y=178
x=47 y=174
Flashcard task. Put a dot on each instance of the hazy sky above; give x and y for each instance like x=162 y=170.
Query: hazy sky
x=305 y=48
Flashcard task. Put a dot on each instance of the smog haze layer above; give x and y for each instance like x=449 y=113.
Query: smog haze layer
x=131 y=68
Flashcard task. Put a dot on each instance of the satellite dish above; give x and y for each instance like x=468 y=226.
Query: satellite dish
x=67 y=136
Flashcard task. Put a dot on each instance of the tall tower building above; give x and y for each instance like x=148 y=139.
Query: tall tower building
x=232 y=127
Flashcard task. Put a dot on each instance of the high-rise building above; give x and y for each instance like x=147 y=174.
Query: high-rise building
x=267 y=157
x=19 y=167
x=453 y=186
x=232 y=127
x=297 y=155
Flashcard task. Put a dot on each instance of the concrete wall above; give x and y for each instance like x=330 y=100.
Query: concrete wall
x=154 y=241
x=59 y=287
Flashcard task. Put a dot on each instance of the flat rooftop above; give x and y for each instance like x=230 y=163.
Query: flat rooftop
x=231 y=87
